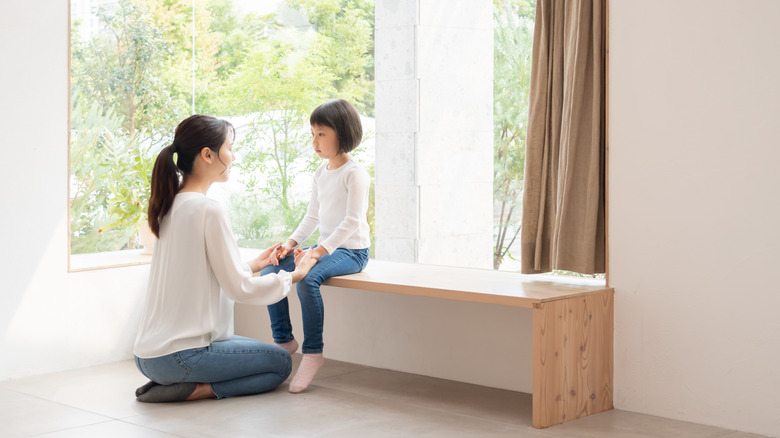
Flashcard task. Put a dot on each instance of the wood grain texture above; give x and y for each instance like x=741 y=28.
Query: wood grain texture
x=572 y=358
x=463 y=284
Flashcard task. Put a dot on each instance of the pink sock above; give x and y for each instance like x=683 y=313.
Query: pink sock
x=291 y=346
x=310 y=364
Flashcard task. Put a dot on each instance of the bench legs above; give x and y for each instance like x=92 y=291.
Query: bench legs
x=572 y=358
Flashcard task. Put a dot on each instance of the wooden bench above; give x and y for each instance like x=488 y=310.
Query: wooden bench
x=572 y=327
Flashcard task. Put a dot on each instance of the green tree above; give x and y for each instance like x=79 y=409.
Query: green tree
x=344 y=47
x=512 y=67
x=122 y=70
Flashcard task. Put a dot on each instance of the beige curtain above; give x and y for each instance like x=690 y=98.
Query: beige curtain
x=563 y=203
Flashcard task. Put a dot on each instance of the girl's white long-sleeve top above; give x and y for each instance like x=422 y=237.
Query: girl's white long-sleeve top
x=339 y=203
x=195 y=277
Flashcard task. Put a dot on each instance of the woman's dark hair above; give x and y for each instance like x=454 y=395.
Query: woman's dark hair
x=192 y=135
x=343 y=118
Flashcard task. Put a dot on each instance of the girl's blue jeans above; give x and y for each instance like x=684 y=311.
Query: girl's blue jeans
x=237 y=366
x=341 y=262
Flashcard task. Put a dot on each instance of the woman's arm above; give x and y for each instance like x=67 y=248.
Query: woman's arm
x=234 y=276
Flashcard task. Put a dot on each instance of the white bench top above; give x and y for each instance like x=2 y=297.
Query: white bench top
x=465 y=284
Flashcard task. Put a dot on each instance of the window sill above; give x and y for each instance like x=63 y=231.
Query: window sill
x=118 y=259
x=109 y=259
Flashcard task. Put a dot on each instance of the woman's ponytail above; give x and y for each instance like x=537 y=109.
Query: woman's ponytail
x=165 y=185
x=193 y=134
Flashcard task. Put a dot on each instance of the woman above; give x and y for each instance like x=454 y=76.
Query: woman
x=185 y=343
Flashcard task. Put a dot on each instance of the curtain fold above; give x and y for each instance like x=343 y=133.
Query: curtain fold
x=563 y=223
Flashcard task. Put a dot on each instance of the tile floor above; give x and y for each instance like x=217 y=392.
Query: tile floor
x=346 y=400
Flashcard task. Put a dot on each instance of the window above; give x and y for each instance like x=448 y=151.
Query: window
x=264 y=66
x=138 y=67
x=514 y=24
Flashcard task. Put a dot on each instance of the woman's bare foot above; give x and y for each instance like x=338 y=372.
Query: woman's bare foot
x=202 y=391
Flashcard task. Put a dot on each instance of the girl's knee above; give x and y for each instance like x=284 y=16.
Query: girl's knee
x=309 y=283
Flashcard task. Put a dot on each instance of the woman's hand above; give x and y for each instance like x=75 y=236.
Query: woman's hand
x=282 y=251
x=304 y=261
x=265 y=258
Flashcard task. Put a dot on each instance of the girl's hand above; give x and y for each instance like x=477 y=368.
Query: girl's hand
x=319 y=251
x=303 y=263
x=266 y=257
x=281 y=251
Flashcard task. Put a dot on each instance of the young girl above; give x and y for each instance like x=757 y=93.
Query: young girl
x=185 y=342
x=338 y=206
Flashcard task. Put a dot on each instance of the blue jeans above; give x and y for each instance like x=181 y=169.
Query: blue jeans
x=341 y=262
x=238 y=366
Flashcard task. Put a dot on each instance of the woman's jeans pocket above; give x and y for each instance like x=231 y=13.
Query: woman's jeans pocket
x=171 y=368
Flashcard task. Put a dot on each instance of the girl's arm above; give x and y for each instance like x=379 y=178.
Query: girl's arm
x=311 y=219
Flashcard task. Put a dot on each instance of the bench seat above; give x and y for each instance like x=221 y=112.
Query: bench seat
x=572 y=326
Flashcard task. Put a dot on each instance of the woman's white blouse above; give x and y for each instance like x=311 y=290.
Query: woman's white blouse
x=195 y=277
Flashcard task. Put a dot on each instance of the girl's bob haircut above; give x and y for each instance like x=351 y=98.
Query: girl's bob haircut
x=343 y=118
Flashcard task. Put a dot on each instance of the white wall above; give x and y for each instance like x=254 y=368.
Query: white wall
x=50 y=320
x=695 y=211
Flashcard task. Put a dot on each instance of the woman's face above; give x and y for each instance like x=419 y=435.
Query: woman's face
x=226 y=156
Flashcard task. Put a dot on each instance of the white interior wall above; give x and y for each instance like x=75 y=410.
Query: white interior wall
x=693 y=213
x=694 y=209
x=50 y=319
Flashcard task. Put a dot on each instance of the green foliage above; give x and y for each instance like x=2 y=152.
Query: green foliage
x=122 y=70
x=109 y=184
x=512 y=67
x=345 y=47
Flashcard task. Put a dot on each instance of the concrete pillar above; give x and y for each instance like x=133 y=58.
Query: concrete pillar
x=434 y=131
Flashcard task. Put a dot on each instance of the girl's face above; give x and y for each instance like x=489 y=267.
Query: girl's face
x=325 y=141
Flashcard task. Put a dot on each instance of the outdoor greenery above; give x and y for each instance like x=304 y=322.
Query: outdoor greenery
x=513 y=36
x=135 y=80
